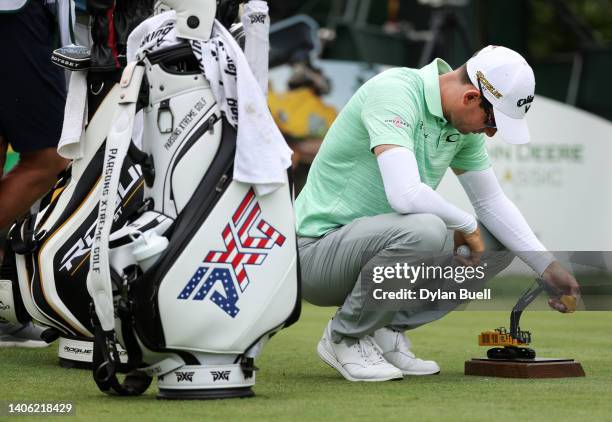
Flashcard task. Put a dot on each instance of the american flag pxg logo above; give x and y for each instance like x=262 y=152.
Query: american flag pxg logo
x=248 y=240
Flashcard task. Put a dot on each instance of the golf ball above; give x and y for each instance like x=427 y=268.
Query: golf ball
x=464 y=250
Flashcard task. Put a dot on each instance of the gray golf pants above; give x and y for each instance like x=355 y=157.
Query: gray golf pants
x=331 y=265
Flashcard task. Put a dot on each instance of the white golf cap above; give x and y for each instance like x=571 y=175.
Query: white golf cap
x=508 y=83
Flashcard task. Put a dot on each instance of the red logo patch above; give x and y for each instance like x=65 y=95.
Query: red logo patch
x=398 y=122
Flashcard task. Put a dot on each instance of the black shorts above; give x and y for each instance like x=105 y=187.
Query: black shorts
x=32 y=89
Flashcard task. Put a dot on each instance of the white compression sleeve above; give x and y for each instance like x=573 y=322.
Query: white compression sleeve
x=503 y=219
x=408 y=195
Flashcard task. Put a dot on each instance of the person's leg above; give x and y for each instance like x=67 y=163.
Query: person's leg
x=331 y=268
x=393 y=343
x=31 y=108
x=498 y=259
x=33 y=176
x=331 y=265
x=31 y=116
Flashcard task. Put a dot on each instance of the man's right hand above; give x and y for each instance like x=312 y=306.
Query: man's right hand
x=473 y=241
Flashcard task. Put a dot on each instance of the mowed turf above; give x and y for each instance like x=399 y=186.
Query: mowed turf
x=294 y=384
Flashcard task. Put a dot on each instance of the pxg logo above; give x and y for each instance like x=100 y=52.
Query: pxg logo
x=248 y=239
x=184 y=376
x=220 y=375
x=258 y=18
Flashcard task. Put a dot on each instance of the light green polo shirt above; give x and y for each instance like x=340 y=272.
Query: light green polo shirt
x=400 y=106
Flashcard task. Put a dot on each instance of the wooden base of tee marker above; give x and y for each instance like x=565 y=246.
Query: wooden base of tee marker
x=524 y=368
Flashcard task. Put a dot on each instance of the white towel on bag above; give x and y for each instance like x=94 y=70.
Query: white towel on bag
x=70 y=145
x=262 y=155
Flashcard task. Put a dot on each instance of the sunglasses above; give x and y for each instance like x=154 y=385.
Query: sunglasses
x=488 y=108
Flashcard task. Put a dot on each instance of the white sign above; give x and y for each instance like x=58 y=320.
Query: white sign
x=561 y=180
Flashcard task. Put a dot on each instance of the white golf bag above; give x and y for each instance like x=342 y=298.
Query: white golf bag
x=200 y=280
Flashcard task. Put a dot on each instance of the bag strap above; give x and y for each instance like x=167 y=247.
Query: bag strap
x=106 y=364
x=106 y=356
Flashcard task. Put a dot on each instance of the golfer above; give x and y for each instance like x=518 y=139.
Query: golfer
x=371 y=192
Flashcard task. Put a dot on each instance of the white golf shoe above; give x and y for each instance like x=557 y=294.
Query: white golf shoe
x=395 y=348
x=358 y=360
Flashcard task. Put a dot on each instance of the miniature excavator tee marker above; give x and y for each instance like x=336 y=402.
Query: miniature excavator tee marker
x=512 y=344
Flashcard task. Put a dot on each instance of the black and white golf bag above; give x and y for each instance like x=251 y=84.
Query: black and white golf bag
x=47 y=254
x=208 y=272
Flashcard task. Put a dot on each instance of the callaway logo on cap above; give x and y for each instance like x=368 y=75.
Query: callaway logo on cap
x=508 y=83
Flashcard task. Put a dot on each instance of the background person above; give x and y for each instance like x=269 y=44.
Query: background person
x=302 y=116
x=31 y=115
x=370 y=193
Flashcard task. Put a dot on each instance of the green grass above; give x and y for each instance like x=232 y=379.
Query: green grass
x=293 y=384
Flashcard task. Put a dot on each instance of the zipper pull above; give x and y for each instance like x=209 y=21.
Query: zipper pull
x=211 y=124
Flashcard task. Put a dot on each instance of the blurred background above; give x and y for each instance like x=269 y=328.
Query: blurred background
x=323 y=50
x=567 y=42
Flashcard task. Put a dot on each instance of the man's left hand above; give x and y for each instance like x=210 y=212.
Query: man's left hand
x=560 y=278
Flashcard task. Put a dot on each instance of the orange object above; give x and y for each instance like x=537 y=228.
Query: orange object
x=499 y=337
